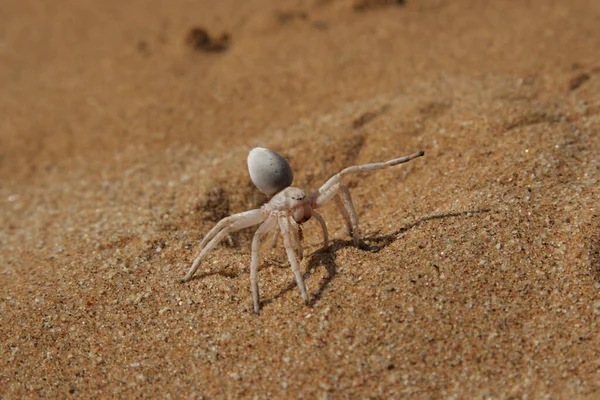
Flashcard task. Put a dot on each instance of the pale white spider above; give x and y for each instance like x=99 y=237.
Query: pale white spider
x=286 y=210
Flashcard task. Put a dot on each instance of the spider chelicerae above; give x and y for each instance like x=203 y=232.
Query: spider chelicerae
x=288 y=208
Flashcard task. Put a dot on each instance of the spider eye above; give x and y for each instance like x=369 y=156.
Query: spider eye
x=269 y=172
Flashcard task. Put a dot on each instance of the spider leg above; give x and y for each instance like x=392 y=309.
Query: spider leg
x=318 y=217
x=284 y=225
x=268 y=225
x=333 y=188
x=367 y=167
x=274 y=238
x=295 y=230
x=347 y=200
x=345 y=205
x=342 y=210
x=226 y=222
x=235 y=223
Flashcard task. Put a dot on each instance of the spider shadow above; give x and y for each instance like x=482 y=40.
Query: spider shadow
x=225 y=273
x=326 y=256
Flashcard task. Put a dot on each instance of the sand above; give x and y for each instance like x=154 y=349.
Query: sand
x=124 y=132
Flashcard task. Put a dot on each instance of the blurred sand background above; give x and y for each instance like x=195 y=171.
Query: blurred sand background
x=124 y=130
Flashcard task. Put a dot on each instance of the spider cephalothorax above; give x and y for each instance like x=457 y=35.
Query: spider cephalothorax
x=291 y=200
x=286 y=210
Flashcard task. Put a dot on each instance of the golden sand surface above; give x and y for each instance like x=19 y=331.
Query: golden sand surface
x=124 y=131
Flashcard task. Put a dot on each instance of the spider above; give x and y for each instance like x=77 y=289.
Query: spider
x=287 y=209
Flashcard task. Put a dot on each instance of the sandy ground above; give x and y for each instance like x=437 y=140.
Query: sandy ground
x=124 y=130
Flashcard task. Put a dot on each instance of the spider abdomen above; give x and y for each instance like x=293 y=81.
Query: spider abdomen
x=269 y=172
